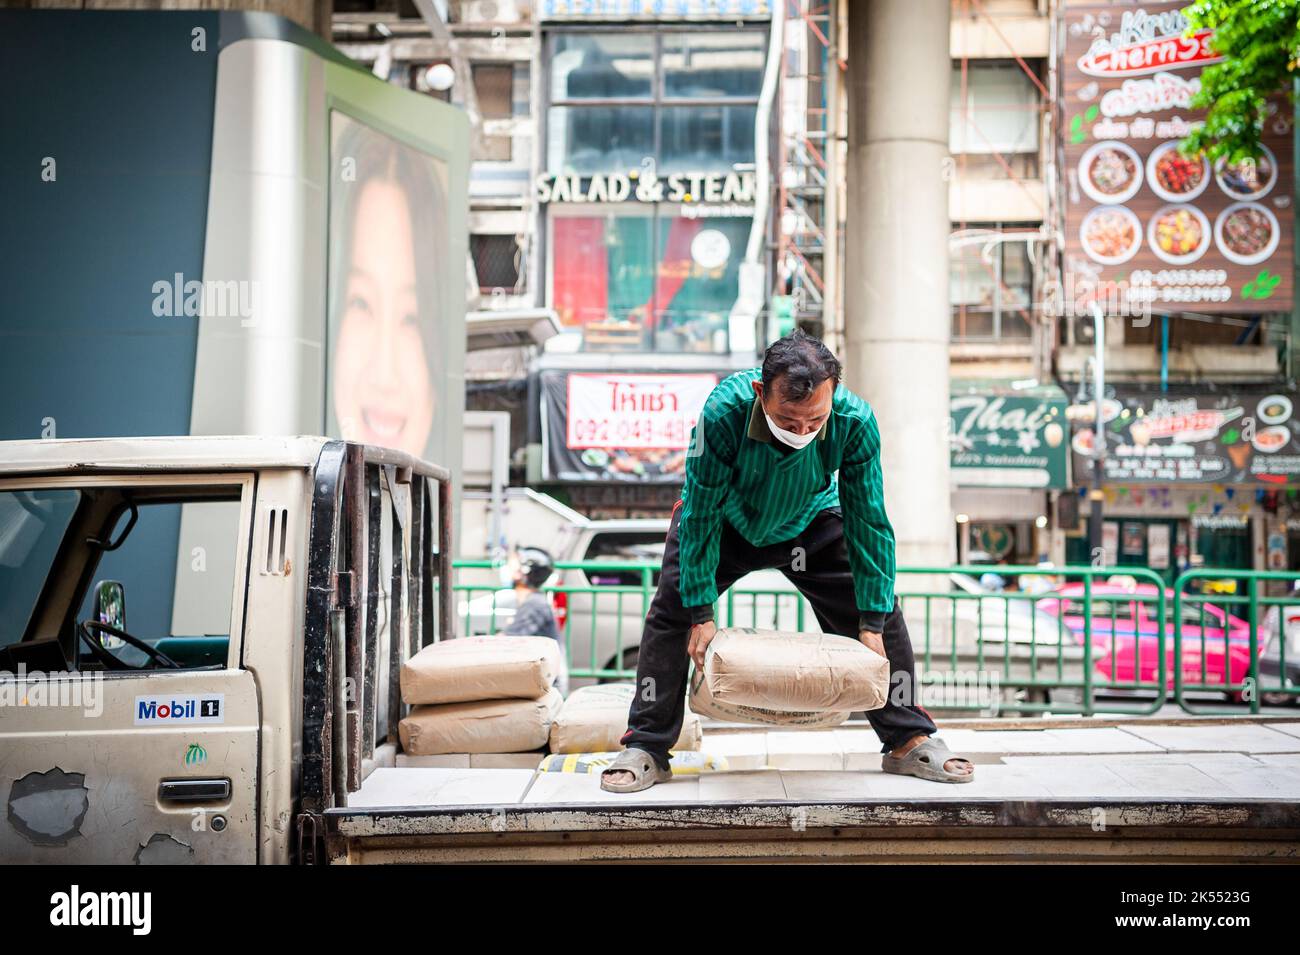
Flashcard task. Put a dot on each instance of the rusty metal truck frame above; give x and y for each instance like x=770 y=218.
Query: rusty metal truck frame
x=345 y=531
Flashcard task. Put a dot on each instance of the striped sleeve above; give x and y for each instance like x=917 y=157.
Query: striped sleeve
x=867 y=530
x=710 y=466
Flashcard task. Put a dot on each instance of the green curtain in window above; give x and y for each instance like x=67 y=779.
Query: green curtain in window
x=631 y=265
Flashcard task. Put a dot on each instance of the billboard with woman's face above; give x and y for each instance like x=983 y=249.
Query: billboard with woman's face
x=387 y=375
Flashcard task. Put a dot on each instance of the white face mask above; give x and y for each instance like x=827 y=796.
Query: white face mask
x=795 y=441
x=508 y=572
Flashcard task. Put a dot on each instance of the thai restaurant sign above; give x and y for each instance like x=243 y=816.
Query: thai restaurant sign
x=1240 y=437
x=1002 y=438
x=1148 y=228
x=616 y=426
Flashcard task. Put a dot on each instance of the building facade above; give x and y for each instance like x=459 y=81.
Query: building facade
x=673 y=182
x=1198 y=353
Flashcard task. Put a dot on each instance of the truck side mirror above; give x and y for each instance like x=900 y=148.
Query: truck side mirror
x=110 y=608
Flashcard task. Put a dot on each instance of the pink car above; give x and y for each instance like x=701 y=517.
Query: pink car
x=1126 y=618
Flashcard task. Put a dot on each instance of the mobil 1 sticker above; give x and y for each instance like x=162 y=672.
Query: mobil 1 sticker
x=173 y=709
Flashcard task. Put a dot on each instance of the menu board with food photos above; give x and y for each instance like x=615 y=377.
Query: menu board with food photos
x=1151 y=230
x=1243 y=436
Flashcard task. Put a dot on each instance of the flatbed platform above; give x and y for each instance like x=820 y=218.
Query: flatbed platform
x=1196 y=789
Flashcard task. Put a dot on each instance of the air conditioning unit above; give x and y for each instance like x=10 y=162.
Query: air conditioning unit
x=495 y=11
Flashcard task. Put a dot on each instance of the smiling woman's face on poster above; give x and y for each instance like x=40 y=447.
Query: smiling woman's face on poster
x=386 y=216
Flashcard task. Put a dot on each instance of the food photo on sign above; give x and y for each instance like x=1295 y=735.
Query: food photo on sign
x=1146 y=224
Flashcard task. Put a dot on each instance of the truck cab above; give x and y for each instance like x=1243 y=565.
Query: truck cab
x=197 y=634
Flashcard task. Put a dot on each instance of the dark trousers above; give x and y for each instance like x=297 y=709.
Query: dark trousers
x=824 y=578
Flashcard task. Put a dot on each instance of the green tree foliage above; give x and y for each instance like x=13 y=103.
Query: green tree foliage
x=1260 y=42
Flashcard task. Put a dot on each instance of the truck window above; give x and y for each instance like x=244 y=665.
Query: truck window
x=177 y=569
x=32 y=526
x=637 y=546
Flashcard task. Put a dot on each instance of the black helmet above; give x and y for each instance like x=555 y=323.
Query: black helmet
x=535 y=565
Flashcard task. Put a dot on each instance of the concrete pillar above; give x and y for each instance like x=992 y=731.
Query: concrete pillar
x=895 y=275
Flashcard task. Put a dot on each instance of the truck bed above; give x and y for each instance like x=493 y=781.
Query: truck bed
x=1194 y=789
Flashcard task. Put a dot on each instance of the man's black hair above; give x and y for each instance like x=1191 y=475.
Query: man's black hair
x=800 y=363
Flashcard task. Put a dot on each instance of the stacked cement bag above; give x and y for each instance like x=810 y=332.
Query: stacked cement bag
x=795 y=680
x=480 y=695
x=594 y=719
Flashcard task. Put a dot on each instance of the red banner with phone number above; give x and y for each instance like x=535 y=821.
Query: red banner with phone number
x=616 y=426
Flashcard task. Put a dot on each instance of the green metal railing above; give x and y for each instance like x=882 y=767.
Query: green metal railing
x=1103 y=641
x=1039 y=652
x=1237 y=663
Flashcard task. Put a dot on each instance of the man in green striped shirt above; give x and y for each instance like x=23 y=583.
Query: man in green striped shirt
x=783 y=472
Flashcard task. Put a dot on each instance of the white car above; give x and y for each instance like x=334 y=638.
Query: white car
x=988 y=616
x=1271 y=640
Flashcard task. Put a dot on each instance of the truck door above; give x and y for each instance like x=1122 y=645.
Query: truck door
x=135 y=744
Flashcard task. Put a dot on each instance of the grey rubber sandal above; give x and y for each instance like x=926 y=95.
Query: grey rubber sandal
x=925 y=761
x=645 y=772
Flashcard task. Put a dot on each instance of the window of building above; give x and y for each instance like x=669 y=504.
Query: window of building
x=684 y=99
x=643 y=275
x=646 y=278
x=712 y=65
x=695 y=138
x=1189 y=329
x=494 y=88
x=602 y=66
x=994 y=118
x=596 y=139
x=496 y=263
x=991 y=285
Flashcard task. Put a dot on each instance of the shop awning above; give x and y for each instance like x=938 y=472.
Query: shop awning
x=509 y=328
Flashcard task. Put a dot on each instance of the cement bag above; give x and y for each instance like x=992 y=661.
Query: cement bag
x=795 y=671
x=481 y=668
x=701 y=701
x=485 y=726
x=682 y=764
x=594 y=718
